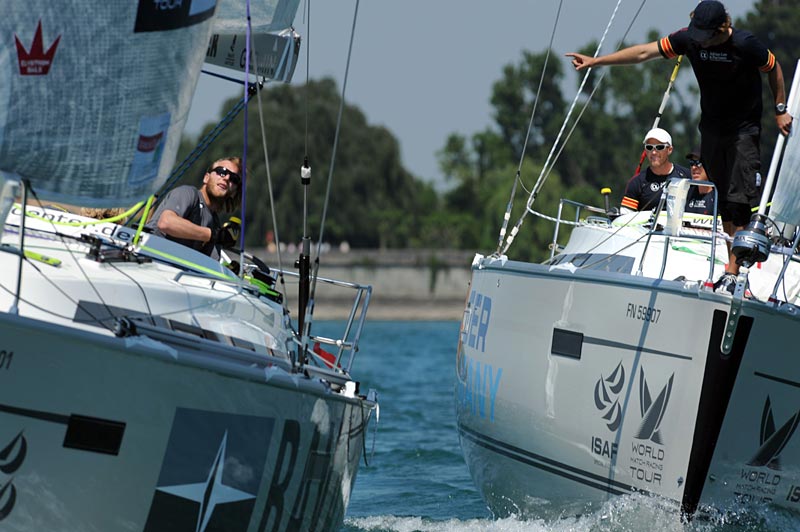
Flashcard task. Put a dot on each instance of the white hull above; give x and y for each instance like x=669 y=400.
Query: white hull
x=188 y=420
x=575 y=386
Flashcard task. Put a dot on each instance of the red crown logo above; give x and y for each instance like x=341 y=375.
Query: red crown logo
x=36 y=62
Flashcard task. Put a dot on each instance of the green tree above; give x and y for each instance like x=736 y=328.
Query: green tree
x=603 y=150
x=375 y=201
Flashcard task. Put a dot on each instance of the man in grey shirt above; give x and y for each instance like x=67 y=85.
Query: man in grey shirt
x=189 y=215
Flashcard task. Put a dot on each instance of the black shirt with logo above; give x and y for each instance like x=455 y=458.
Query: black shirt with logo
x=699 y=203
x=644 y=189
x=729 y=78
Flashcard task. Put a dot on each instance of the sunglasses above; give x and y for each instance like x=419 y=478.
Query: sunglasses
x=695 y=162
x=233 y=177
x=657 y=147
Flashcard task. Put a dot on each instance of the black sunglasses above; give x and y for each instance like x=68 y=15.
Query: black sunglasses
x=233 y=177
x=695 y=162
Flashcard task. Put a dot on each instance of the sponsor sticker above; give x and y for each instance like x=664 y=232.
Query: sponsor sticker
x=163 y=15
x=211 y=472
x=35 y=61
x=149 y=148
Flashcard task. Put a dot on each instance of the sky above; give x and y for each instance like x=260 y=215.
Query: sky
x=425 y=68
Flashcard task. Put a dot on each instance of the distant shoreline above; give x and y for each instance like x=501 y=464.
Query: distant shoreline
x=406 y=311
x=407 y=285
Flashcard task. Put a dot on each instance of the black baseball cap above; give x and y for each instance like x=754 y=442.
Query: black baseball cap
x=708 y=16
x=694 y=154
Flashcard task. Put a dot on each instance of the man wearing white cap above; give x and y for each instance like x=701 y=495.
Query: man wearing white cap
x=728 y=63
x=644 y=189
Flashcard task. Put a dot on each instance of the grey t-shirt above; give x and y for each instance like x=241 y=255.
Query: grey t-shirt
x=187 y=202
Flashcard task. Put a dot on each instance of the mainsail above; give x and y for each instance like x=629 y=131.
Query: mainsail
x=94 y=95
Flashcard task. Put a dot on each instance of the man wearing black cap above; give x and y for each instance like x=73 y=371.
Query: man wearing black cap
x=727 y=63
x=700 y=200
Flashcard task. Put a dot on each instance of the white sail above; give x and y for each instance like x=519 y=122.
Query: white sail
x=265 y=16
x=276 y=53
x=94 y=95
x=277 y=45
x=786 y=199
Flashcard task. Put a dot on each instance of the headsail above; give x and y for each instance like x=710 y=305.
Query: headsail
x=277 y=45
x=94 y=95
x=265 y=16
x=786 y=199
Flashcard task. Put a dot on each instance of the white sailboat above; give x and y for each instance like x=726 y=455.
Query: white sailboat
x=614 y=368
x=143 y=385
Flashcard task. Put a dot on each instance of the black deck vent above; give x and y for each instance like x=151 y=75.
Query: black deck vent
x=94 y=434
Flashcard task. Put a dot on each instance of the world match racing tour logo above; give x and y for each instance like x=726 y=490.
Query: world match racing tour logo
x=760 y=478
x=773 y=441
x=36 y=61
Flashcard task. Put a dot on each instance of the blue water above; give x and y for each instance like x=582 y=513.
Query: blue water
x=417 y=480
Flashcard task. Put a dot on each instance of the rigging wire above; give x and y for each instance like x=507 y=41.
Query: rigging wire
x=548 y=165
x=138 y=285
x=308 y=63
x=310 y=305
x=99 y=321
x=202 y=145
x=243 y=169
x=517 y=179
x=269 y=185
x=94 y=319
x=75 y=259
x=661 y=107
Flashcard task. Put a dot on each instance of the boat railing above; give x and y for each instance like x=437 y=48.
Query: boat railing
x=657 y=230
x=604 y=219
x=579 y=207
x=347 y=342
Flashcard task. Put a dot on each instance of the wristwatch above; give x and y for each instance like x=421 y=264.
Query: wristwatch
x=780 y=108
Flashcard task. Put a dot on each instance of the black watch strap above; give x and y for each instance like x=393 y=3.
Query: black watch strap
x=780 y=108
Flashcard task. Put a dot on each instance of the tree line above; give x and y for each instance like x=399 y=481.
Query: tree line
x=377 y=203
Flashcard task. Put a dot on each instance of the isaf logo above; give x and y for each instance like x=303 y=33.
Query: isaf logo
x=652 y=410
x=606 y=400
x=11 y=458
x=773 y=440
x=606 y=397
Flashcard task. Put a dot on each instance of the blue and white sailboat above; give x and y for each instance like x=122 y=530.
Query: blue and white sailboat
x=613 y=367
x=145 y=386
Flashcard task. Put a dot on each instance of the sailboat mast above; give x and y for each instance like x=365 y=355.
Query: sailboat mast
x=304 y=261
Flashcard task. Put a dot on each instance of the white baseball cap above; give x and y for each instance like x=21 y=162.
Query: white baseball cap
x=660 y=135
